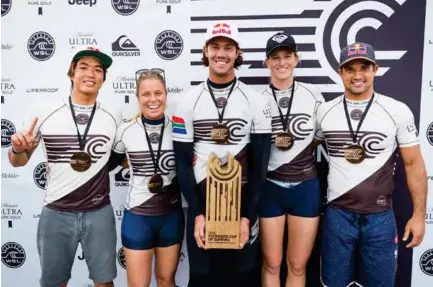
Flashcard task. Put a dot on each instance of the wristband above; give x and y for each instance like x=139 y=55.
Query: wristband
x=15 y=152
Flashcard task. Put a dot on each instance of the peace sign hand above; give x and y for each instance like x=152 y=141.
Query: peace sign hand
x=24 y=140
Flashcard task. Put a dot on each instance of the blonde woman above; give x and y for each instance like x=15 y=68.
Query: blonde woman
x=292 y=191
x=153 y=221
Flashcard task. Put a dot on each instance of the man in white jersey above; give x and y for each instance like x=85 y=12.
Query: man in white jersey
x=77 y=134
x=224 y=103
x=362 y=130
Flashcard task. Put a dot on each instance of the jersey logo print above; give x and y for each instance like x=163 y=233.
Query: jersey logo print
x=337 y=141
x=142 y=164
x=202 y=129
x=295 y=125
x=60 y=148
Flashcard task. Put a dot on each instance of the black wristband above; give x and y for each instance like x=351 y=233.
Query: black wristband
x=15 y=152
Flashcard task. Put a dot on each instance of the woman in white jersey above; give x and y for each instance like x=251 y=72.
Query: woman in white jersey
x=292 y=191
x=153 y=220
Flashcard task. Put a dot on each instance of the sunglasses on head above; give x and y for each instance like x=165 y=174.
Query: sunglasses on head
x=154 y=70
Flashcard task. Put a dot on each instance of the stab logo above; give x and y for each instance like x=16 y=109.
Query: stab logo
x=168 y=45
x=13 y=255
x=123 y=46
x=41 y=46
x=125 y=7
x=40 y=175
x=8 y=129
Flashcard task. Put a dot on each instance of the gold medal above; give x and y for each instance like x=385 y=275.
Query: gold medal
x=284 y=141
x=354 y=153
x=81 y=161
x=220 y=133
x=155 y=184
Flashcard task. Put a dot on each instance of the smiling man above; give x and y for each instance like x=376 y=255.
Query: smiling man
x=362 y=130
x=77 y=134
x=222 y=116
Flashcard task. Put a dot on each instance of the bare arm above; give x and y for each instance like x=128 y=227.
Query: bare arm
x=416 y=176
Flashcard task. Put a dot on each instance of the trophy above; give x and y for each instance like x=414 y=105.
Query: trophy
x=223 y=203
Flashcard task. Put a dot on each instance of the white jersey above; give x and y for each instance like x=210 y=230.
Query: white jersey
x=131 y=138
x=67 y=189
x=246 y=112
x=296 y=164
x=365 y=187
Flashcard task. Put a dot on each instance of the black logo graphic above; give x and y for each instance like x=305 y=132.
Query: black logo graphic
x=429 y=133
x=221 y=102
x=6 y=6
x=13 y=255
x=82 y=2
x=168 y=45
x=154 y=138
x=40 y=175
x=121 y=258
x=122 y=177
x=125 y=7
x=284 y=103
x=356 y=114
x=82 y=119
x=41 y=46
x=426 y=262
x=123 y=46
x=8 y=129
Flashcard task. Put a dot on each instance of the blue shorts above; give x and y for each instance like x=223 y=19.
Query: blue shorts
x=58 y=236
x=304 y=199
x=367 y=243
x=142 y=232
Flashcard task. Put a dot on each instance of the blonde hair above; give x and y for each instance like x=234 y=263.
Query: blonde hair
x=147 y=75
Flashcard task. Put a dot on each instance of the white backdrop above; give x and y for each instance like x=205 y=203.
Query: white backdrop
x=168 y=35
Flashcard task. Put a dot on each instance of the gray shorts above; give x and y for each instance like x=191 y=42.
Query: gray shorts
x=59 y=233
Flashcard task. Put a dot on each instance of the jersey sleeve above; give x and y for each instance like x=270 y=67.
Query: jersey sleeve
x=182 y=122
x=407 y=133
x=319 y=135
x=262 y=115
x=119 y=146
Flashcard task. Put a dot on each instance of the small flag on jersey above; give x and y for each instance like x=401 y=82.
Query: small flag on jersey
x=178 y=126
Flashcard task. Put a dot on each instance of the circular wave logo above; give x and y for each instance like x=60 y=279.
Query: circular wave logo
x=125 y=7
x=6 y=6
x=168 y=45
x=13 y=255
x=121 y=258
x=8 y=129
x=40 y=175
x=41 y=46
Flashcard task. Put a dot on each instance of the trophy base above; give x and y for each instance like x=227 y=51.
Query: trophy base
x=222 y=235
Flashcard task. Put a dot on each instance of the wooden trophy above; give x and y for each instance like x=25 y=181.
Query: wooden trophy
x=223 y=203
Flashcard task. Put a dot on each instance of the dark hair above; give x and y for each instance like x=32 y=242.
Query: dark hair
x=365 y=62
x=238 y=62
x=73 y=65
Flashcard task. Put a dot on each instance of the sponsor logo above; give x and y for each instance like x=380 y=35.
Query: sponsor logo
x=7 y=47
x=125 y=86
x=357 y=49
x=10 y=175
x=6 y=6
x=168 y=45
x=356 y=114
x=88 y=285
x=83 y=40
x=221 y=28
x=40 y=175
x=8 y=129
x=124 y=47
x=429 y=215
x=284 y=102
x=426 y=262
x=122 y=177
x=42 y=90
x=121 y=258
x=154 y=138
x=221 y=102
x=382 y=201
x=7 y=86
x=119 y=212
x=430 y=84
x=429 y=133
x=279 y=38
x=97 y=199
x=13 y=255
x=11 y=212
x=168 y=1
x=82 y=119
x=125 y=7
x=39 y=3
x=41 y=46
x=82 y=2
x=174 y=90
